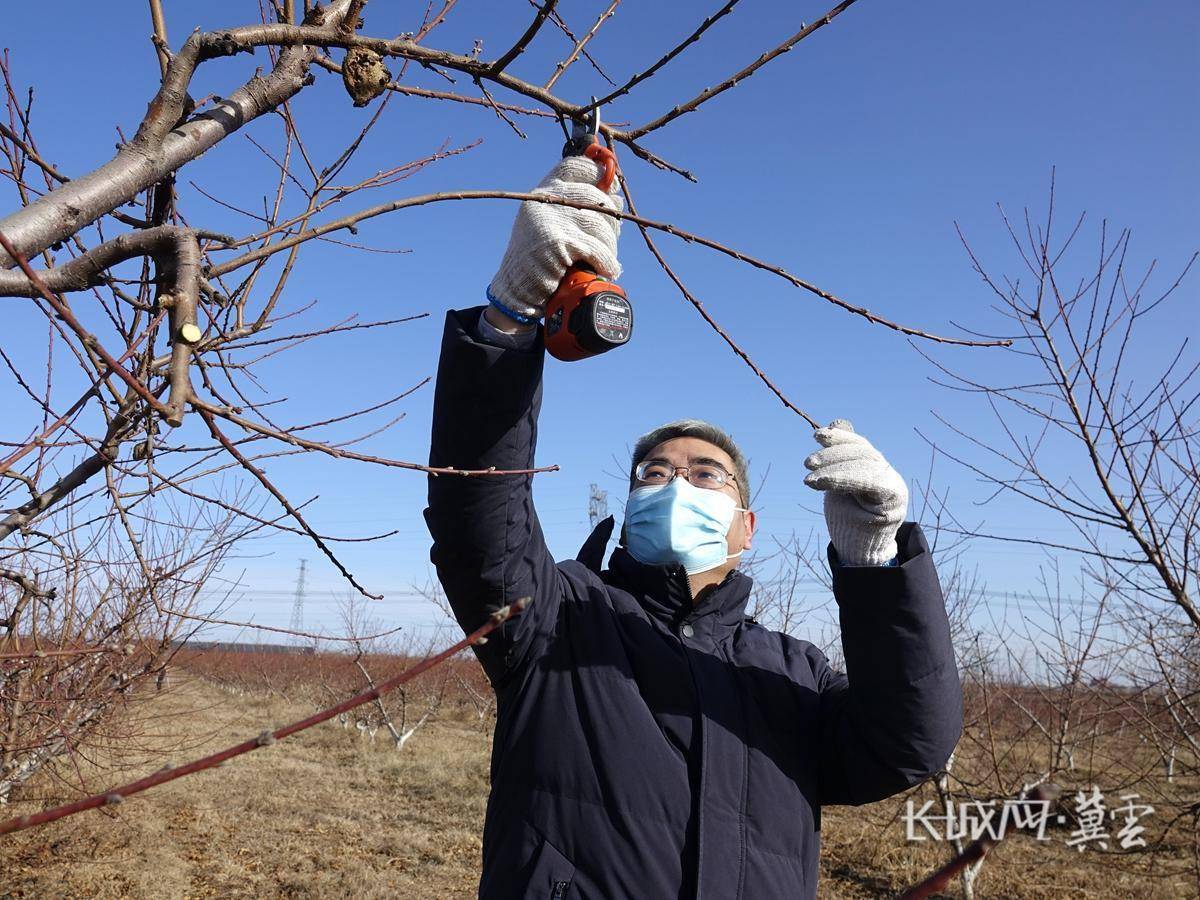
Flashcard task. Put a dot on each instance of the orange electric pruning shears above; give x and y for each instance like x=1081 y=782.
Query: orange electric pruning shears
x=588 y=315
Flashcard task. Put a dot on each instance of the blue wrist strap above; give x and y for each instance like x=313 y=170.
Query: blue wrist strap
x=893 y=563
x=511 y=313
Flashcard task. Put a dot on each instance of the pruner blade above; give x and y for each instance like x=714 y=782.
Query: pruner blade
x=584 y=132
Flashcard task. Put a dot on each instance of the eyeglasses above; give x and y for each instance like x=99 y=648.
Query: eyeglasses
x=701 y=475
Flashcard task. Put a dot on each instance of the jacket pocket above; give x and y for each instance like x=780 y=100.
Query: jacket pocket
x=551 y=875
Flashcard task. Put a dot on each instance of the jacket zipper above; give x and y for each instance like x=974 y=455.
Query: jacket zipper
x=700 y=741
x=687 y=588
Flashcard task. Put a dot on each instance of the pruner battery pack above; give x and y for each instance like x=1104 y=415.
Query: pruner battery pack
x=586 y=316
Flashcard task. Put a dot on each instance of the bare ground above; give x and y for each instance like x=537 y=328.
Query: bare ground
x=330 y=813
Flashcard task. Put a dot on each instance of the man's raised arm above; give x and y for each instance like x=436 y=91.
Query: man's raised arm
x=894 y=718
x=488 y=547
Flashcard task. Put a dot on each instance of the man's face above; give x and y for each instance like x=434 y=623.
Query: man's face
x=688 y=451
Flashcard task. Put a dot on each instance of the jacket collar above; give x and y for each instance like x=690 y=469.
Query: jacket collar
x=664 y=593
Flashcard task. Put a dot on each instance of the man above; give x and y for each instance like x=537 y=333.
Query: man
x=651 y=740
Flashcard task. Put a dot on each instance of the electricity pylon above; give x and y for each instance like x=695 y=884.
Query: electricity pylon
x=597 y=505
x=298 y=606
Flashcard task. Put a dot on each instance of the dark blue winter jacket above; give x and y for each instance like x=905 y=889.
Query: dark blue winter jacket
x=649 y=747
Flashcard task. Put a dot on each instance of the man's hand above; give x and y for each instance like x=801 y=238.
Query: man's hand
x=865 y=498
x=548 y=239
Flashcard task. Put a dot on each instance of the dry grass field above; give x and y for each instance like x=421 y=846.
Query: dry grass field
x=331 y=813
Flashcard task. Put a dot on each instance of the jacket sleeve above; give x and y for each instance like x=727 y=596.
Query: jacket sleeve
x=894 y=718
x=488 y=547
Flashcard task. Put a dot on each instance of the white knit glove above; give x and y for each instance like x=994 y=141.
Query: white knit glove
x=865 y=498
x=548 y=239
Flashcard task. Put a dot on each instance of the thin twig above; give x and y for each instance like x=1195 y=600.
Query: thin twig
x=745 y=357
x=741 y=75
x=524 y=40
x=283 y=501
x=424 y=199
x=161 y=44
x=487 y=95
x=666 y=58
x=308 y=635
x=290 y=438
x=562 y=66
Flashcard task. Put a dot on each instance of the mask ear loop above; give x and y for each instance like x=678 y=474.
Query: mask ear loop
x=740 y=552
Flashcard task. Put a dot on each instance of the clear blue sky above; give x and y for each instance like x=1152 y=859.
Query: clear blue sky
x=847 y=161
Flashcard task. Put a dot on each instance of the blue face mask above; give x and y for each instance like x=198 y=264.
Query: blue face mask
x=678 y=522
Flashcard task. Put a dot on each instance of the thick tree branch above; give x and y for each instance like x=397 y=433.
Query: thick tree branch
x=86 y=338
x=413 y=91
x=182 y=270
x=88 y=269
x=288 y=36
x=162 y=144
